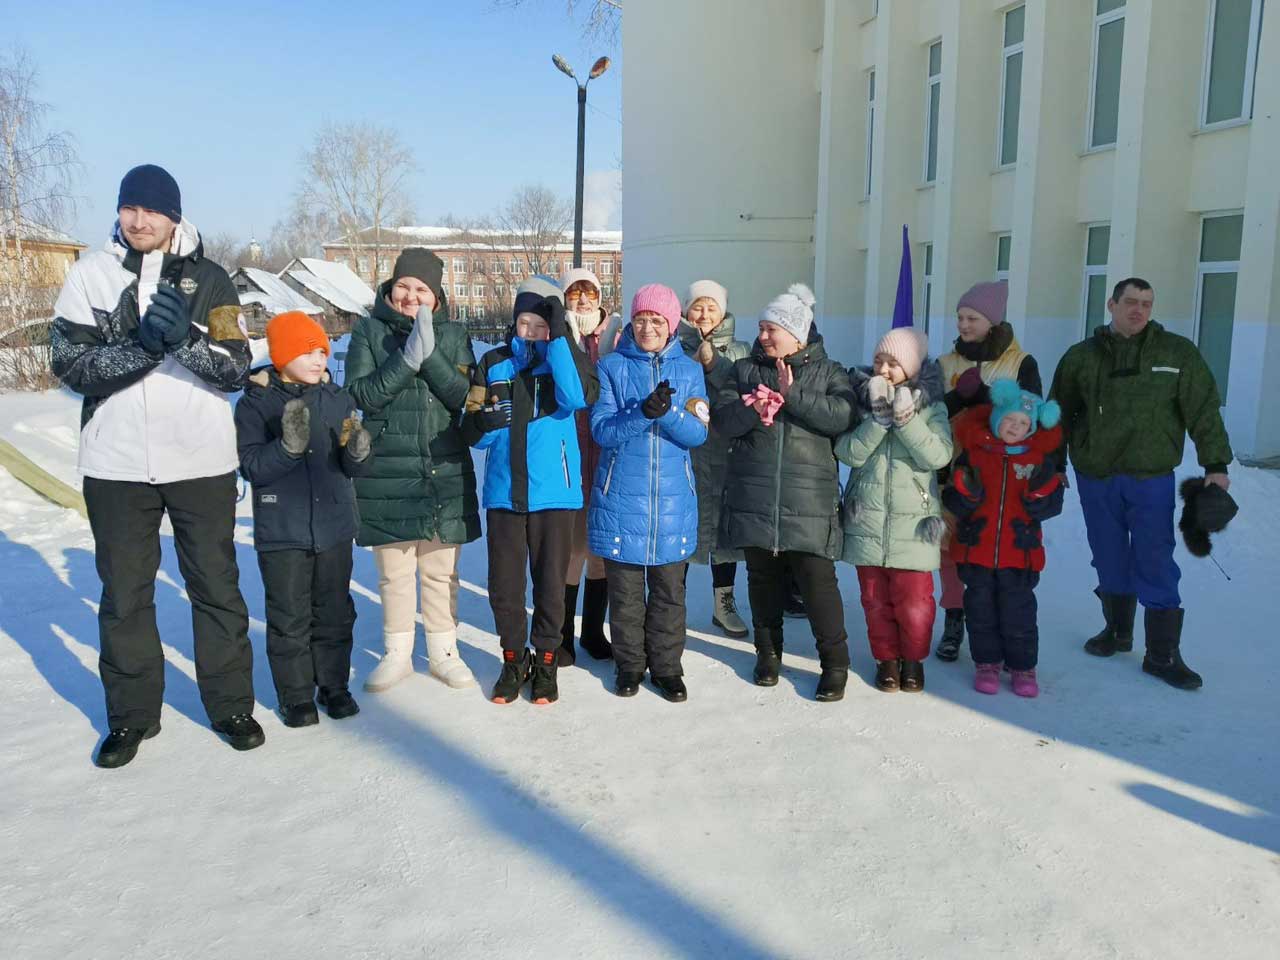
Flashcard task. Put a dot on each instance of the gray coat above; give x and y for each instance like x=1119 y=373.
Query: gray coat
x=710 y=461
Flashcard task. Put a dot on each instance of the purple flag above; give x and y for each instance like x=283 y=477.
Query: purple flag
x=902 y=305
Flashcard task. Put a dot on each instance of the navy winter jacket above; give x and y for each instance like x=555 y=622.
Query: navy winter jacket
x=299 y=503
x=644 y=504
x=534 y=464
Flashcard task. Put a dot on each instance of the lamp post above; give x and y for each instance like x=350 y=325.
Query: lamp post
x=597 y=68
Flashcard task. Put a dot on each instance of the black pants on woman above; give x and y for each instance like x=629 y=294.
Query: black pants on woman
x=767 y=588
x=647 y=631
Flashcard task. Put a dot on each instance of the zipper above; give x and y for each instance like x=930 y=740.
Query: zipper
x=688 y=475
x=608 y=477
x=924 y=494
x=1004 y=482
x=564 y=462
x=777 y=488
x=655 y=449
x=888 y=497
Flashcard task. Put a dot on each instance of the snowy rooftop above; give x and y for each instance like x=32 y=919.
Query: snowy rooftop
x=37 y=233
x=459 y=239
x=338 y=275
x=274 y=294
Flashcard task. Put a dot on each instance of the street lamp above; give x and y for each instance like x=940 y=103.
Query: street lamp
x=597 y=68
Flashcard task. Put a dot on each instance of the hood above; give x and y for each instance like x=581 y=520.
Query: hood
x=186 y=242
x=720 y=337
x=929 y=381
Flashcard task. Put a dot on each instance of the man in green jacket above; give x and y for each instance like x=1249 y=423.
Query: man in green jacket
x=1129 y=395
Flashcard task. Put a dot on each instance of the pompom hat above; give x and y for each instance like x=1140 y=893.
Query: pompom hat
x=1008 y=398
x=792 y=311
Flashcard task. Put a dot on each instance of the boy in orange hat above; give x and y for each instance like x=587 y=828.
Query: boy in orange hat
x=300 y=444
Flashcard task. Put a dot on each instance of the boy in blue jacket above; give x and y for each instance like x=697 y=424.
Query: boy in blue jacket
x=300 y=444
x=520 y=411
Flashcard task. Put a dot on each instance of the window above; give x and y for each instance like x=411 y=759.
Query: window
x=1231 y=59
x=1004 y=250
x=1216 y=292
x=871 y=130
x=462 y=313
x=589 y=265
x=928 y=285
x=933 y=106
x=514 y=266
x=1011 y=86
x=477 y=291
x=477 y=266
x=459 y=289
x=607 y=290
x=500 y=290
x=459 y=266
x=606 y=268
x=553 y=267
x=363 y=265
x=1097 y=251
x=1104 y=96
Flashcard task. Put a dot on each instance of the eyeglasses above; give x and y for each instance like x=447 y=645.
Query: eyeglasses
x=652 y=323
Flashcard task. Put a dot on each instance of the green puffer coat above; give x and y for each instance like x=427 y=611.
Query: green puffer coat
x=782 y=487
x=711 y=459
x=421 y=483
x=892 y=511
x=1128 y=404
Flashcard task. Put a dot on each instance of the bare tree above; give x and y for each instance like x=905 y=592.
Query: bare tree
x=603 y=17
x=302 y=232
x=534 y=220
x=356 y=174
x=38 y=169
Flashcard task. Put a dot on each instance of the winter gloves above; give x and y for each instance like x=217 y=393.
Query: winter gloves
x=421 y=340
x=495 y=415
x=880 y=395
x=766 y=401
x=356 y=439
x=904 y=405
x=295 y=427
x=167 y=323
x=965 y=494
x=1206 y=509
x=658 y=403
x=1044 y=494
x=552 y=310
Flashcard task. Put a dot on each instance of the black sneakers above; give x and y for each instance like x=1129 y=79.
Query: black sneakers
x=515 y=671
x=543 y=690
x=241 y=731
x=121 y=745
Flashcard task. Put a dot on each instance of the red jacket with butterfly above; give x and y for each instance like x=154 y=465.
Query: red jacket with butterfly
x=992 y=486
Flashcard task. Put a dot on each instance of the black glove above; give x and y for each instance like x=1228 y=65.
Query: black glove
x=1044 y=496
x=658 y=403
x=552 y=310
x=167 y=320
x=495 y=415
x=295 y=427
x=965 y=494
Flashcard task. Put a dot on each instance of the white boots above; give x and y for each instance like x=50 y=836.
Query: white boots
x=726 y=613
x=395 y=665
x=445 y=664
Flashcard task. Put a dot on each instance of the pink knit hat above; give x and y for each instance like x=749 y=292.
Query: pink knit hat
x=908 y=346
x=655 y=298
x=989 y=299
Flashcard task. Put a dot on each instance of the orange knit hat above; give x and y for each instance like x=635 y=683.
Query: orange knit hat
x=290 y=335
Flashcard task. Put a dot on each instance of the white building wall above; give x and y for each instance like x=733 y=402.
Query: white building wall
x=779 y=128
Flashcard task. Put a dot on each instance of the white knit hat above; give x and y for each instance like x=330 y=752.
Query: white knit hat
x=793 y=311
x=570 y=277
x=709 y=289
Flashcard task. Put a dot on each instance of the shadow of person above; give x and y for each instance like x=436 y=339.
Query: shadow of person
x=1261 y=829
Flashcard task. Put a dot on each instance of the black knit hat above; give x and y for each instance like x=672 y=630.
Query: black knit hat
x=421 y=264
x=1207 y=508
x=152 y=188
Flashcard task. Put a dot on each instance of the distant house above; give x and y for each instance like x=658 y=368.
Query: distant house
x=263 y=295
x=46 y=257
x=342 y=296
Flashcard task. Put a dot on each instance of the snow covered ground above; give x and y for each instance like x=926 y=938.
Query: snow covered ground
x=1113 y=817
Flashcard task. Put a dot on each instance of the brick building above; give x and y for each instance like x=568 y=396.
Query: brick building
x=483 y=267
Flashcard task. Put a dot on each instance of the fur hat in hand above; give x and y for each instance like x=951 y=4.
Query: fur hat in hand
x=793 y=312
x=1207 y=508
x=1008 y=398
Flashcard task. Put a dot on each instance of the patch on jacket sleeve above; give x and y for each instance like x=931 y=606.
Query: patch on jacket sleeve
x=699 y=408
x=225 y=323
x=464 y=369
x=267 y=498
x=476 y=397
x=1166 y=369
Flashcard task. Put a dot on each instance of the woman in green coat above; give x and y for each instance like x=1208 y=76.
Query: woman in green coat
x=892 y=515
x=706 y=333
x=409 y=369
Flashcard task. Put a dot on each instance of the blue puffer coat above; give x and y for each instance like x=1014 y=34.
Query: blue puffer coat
x=644 y=508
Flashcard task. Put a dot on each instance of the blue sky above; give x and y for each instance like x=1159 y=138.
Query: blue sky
x=226 y=96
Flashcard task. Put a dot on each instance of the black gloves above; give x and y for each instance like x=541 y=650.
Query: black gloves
x=552 y=310
x=965 y=494
x=495 y=415
x=658 y=403
x=1044 y=494
x=167 y=323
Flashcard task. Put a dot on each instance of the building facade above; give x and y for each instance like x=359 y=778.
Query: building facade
x=33 y=266
x=484 y=267
x=1061 y=144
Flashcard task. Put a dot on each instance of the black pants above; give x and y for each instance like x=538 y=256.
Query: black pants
x=647 y=632
x=125 y=517
x=1000 y=614
x=540 y=541
x=767 y=589
x=310 y=614
x=722 y=574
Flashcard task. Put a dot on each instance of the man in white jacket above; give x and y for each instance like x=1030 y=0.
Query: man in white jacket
x=150 y=332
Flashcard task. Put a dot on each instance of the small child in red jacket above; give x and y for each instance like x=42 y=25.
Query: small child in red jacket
x=1003 y=486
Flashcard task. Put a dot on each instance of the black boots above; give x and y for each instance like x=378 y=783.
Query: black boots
x=671 y=688
x=595 y=603
x=515 y=671
x=888 y=675
x=121 y=745
x=831 y=684
x=1117 y=635
x=339 y=704
x=241 y=731
x=952 y=636
x=768 y=657
x=627 y=684
x=1163 y=659
x=911 y=677
x=302 y=714
x=567 y=655
x=543 y=690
